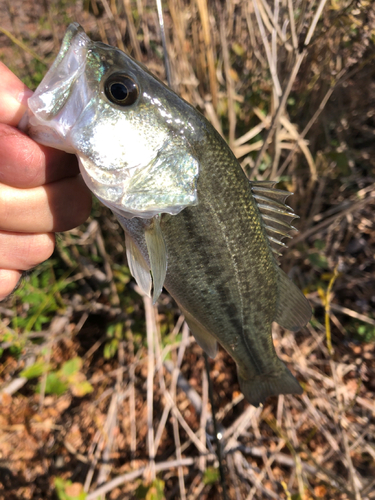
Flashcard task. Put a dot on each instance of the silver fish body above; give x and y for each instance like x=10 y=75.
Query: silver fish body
x=190 y=215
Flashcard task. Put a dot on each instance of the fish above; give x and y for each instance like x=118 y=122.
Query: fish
x=193 y=222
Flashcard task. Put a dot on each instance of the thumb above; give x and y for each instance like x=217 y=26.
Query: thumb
x=13 y=97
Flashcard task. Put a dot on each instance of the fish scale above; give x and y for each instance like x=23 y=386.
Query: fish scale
x=192 y=220
x=235 y=236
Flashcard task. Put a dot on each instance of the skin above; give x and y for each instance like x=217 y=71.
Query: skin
x=41 y=191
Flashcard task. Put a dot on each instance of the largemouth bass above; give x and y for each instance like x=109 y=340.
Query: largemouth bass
x=193 y=222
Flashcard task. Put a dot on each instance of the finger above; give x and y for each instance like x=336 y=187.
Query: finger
x=8 y=282
x=58 y=206
x=13 y=97
x=24 y=251
x=17 y=167
x=26 y=164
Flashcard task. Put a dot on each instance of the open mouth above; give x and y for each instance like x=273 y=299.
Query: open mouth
x=62 y=95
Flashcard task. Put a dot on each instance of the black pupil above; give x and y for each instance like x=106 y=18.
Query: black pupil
x=119 y=91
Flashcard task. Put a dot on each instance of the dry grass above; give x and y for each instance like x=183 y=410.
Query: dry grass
x=291 y=86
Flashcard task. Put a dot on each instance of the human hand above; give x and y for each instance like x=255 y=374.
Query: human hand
x=40 y=190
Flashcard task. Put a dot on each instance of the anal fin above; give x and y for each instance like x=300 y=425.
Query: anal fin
x=293 y=310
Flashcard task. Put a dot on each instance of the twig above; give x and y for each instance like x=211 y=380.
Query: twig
x=273 y=21
x=281 y=458
x=252 y=132
x=98 y=441
x=339 y=414
x=251 y=31
x=243 y=466
x=162 y=424
x=176 y=412
x=151 y=330
x=312 y=121
x=327 y=306
x=274 y=45
x=280 y=109
x=203 y=13
x=239 y=425
x=228 y=78
x=131 y=476
x=175 y=381
x=268 y=461
x=15 y=385
x=368 y=488
x=327 y=222
x=290 y=82
x=43 y=382
x=292 y=24
x=132 y=30
x=217 y=438
x=176 y=434
x=109 y=438
x=204 y=417
x=22 y=45
x=314 y=22
x=133 y=427
x=107 y=266
x=270 y=60
x=111 y=420
x=167 y=65
x=301 y=143
x=342 y=77
x=292 y=435
x=234 y=476
x=346 y=310
x=352 y=473
x=109 y=13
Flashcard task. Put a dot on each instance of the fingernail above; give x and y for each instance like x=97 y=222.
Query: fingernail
x=23 y=96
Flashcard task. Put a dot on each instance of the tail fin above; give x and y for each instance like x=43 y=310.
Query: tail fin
x=257 y=389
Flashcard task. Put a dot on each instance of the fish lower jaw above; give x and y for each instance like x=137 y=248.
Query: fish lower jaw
x=44 y=134
x=48 y=137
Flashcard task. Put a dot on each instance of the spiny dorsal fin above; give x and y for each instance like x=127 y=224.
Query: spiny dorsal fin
x=277 y=216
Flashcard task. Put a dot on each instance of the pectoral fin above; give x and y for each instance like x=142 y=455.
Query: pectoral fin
x=205 y=339
x=158 y=256
x=138 y=266
x=293 y=309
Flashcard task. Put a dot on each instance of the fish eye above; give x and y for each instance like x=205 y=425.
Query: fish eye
x=121 y=89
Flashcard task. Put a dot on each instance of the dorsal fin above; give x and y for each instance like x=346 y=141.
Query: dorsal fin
x=276 y=215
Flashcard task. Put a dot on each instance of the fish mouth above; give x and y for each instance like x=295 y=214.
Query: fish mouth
x=62 y=95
